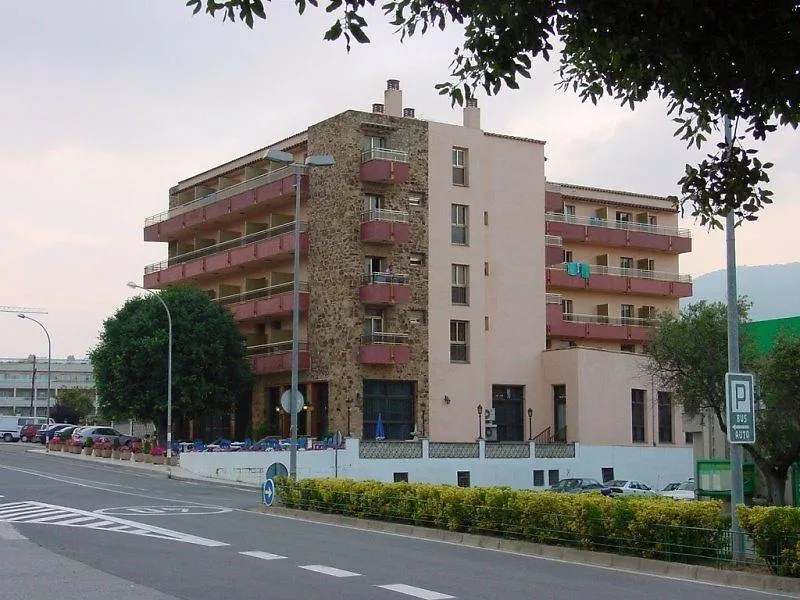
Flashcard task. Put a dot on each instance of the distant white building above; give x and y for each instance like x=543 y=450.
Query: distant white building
x=23 y=380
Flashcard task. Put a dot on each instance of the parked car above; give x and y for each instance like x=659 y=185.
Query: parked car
x=577 y=484
x=627 y=487
x=63 y=431
x=685 y=491
x=28 y=433
x=109 y=433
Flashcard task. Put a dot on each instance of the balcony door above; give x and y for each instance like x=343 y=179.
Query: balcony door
x=560 y=413
x=507 y=401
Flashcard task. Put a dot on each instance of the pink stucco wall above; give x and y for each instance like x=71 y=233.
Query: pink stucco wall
x=506 y=181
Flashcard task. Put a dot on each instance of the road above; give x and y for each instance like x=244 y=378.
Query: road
x=132 y=534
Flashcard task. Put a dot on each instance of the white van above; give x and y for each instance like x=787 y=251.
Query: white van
x=10 y=426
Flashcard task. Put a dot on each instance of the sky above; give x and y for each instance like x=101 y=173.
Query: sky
x=104 y=105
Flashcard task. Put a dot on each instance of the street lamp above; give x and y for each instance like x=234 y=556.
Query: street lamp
x=530 y=424
x=286 y=158
x=480 y=423
x=47 y=414
x=134 y=285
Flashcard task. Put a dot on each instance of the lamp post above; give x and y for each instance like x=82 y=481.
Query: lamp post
x=49 y=348
x=480 y=423
x=286 y=158
x=134 y=285
x=530 y=424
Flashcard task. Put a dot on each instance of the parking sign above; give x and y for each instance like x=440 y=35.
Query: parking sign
x=741 y=410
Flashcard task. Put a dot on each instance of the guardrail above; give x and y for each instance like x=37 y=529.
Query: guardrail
x=265 y=292
x=250 y=238
x=274 y=348
x=381 y=337
x=385 y=278
x=607 y=224
x=382 y=214
x=551 y=298
x=604 y=320
x=553 y=240
x=625 y=272
x=384 y=154
x=236 y=188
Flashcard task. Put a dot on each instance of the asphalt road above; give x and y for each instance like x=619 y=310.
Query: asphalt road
x=132 y=535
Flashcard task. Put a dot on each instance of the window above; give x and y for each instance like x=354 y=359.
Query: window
x=665 y=418
x=689 y=437
x=460 y=284
x=552 y=476
x=416 y=317
x=459 y=221
x=560 y=413
x=625 y=262
x=373 y=205
x=400 y=477
x=626 y=313
x=460 y=166
x=569 y=213
x=627 y=347
x=459 y=341
x=375 y=267
x=508 y=402
x=392 y=402
x=486 y=323
x=566 y=307
x=416 y=259
x=415 y=200
x=372 y=142
x=637 y=415
x=538 y=478
x=607 y=473
x=567 y=255
x=486 y=217
x=623 y=218
x=373 y=325
x=486 y=268
x=462 y=477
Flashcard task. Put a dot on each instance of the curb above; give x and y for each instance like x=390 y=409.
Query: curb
x=724 y=577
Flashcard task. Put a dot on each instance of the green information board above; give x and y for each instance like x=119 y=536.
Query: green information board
x=713 y=478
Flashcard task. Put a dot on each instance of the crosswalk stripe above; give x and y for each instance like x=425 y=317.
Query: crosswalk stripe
x=43 y=512
x=332 y=571
x=410 y=590
x=262 y=555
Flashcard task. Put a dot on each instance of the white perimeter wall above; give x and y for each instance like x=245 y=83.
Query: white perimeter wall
x=655 y=466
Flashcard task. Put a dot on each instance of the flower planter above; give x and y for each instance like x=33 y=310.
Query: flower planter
x=148 y=458
x=115 y=454
x=106 y=453
x=138 y=457
x=158 y=460
x=66 y=448
x=173 y=462
x=55 y=447
x=124 y=455
x=97 y=452
x=88 y=451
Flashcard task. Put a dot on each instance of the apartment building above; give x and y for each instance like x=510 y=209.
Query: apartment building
x=23 y=382
x=432 y=259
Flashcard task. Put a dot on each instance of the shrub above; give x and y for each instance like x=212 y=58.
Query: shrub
x=88 y=443
x=776 y=535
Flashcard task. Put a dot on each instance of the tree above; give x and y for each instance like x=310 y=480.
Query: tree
x=688 y=353
x=707 y=59
x=210 y=372
x=62 y=413
x=81 y=400
x=778 y=419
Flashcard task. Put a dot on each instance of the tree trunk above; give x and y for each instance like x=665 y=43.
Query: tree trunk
x=160 y=421
x=777 y=487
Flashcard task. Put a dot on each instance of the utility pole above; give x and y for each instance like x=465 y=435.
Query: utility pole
x=33 y=387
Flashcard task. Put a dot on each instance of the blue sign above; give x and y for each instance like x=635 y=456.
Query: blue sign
x=269 y=492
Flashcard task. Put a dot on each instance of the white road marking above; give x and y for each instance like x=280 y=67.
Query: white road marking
x=415 y=591
x=332 y=571
x=137 y=511
x=48 y=514
x=262 y=555
x=7 y=532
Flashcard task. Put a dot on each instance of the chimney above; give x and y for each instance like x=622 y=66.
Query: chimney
x=377 y=108
x=393 y=98
x=408 y=112
x=472 y=114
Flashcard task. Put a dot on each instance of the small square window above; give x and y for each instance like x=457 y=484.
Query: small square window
x=538 y=477
x=552 y=476
x=401 y=477
x=416 y=259
x=462 y=477
x=416 y=200
x=416 y=317
x=608 y=473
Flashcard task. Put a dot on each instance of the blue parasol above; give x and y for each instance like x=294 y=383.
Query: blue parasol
x=380 y=434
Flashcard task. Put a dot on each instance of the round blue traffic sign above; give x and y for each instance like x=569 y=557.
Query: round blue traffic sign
x=269 y=492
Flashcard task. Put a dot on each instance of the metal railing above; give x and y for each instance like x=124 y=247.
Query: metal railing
x=382 y=214
x=554 y=449
x=265 y=292
x=551 y=298
x=245 y=240
x=384 y=154
x=608 y=224
x=382 y=337
x=389 y=449
x=274 y=348
x=236 y=188
x=625 y=272
x=553 y=240
x=606 y=320
x=385 y=278
x=453 y=450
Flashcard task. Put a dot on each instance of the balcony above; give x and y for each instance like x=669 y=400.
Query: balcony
x=618 y=280
x=381 y=165
x=553 y=250
x=227 y=204
x=574 y=326
x=553 y=201
x=379 y=348
x=380 y=226
x=262 y=303
x=384 y=289
x=277 y=357
x=267 y=245
x=618 y=234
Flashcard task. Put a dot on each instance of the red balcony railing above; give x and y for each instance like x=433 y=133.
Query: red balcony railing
x=379 y=348
x=380 y=226
x=227 y=204
x=382 y=165
x=273 y=301
x=573 y=326
x=553 y=250
x=384 y=289
x=226 y=256
x=618 y=234
x=277 y=357
x=620 y=280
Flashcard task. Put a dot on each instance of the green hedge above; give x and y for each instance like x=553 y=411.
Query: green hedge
x=775 y=531
x=650 y=527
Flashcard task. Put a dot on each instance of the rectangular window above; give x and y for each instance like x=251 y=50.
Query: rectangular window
x=460 y=166
x=462 y=478
x=637 y=415
x=626 y=313
x=552 y=476
x=486 y=217
x=372 y=142
x=416 y=317
x=665 y=418
x=373 y=325
x=460 y=284
x=607 y=473
x=567 y=255
x=560 y=413
x=689 y=437
x=627 y=347
x=393 y=403
x=538 y=478
x=459 y=224
x=415 y=200
x=569 y=213
x=486 y=269
x=416 y=258
x=625 y=262
x=373 y=205
x=623 y=217
x=401 y=477
x=566 y=308
x=459 y=341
